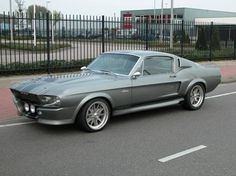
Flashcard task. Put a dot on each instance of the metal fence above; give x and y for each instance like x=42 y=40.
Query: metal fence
x=46 y=43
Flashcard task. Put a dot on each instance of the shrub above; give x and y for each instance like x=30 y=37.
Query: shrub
x=215 y=43
x=201 y=43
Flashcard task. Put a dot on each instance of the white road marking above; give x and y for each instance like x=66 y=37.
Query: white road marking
x=177 y=155
x=221 y=95
x=15 y=124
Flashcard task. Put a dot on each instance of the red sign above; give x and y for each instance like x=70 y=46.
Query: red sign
x=127 y=21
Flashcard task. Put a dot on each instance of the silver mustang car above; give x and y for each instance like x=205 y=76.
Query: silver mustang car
x=115 y=83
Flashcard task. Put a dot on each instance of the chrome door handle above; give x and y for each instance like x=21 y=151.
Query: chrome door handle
x=172 y=76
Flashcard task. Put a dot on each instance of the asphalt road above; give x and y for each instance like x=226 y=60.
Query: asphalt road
x=133 y=144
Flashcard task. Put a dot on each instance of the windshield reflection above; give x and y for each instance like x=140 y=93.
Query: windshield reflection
x=114 y=63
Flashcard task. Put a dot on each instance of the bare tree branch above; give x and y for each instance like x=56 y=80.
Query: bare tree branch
x=20 y=5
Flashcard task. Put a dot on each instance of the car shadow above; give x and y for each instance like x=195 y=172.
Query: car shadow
x=55 y=129
x=159 y=113
x=144 y=115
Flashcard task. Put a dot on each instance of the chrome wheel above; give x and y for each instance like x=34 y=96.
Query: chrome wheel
x=97 y=115
x=197 y=96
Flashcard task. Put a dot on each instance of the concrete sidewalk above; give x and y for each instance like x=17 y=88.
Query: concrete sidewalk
x=8 y=109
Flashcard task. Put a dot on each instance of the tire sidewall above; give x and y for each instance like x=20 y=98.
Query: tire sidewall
x=188 y=104
x=81 y=119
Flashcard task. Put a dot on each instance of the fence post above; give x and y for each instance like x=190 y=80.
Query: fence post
x=146 y=35
x=103 y=34
x=182 y=38
x=48 y=44
x=211 y=32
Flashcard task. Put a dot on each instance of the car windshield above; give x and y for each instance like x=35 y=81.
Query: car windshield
x=114 y=63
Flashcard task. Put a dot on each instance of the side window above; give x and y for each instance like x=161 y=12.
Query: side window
x=157 y=65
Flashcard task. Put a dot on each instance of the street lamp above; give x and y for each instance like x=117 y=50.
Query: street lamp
x=52 y=25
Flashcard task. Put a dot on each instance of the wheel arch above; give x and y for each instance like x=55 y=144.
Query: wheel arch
x=90 y=97
x=196 y=81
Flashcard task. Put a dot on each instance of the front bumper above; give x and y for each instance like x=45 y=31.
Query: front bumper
x=49 y=116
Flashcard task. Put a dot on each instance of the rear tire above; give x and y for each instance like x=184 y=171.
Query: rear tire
x=94 y=116
x=195 y=97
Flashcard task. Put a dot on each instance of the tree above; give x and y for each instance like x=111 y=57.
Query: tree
x=175 y=38
x=40 y=11
x=20 y=5
x=186 y=39
x=20 y=9
x=56 y=16
x=201 y=43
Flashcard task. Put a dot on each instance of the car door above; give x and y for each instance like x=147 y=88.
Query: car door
x=157 y=81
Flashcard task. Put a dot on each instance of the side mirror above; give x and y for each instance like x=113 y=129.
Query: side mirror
x=135 y=75
x=83 y=68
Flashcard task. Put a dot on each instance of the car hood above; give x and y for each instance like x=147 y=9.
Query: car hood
x=67 y=83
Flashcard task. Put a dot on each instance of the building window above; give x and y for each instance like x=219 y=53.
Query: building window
x=180 y=16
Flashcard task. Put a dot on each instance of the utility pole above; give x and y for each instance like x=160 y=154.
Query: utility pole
x=47 y=2
x=154 y=11
x=35 y=43
x=171 y=24
x=11 y=20
x=161 y=30
x=52 y=22
x=52 y=28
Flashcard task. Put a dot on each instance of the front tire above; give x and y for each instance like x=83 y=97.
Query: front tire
x=195 y=97
x=94 y=116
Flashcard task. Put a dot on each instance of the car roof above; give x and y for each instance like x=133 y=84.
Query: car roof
x=140 y=53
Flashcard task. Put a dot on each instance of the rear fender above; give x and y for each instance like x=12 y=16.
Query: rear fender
x=202 y=81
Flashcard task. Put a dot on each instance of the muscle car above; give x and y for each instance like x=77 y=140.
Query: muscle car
x=115 y=83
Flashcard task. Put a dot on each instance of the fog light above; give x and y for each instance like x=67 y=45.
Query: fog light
x=26 y=107
x=32 y=109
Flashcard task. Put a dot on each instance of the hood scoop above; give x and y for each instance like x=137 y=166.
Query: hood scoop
x=52 y=78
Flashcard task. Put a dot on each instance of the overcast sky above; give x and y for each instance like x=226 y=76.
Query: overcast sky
x=113 y=7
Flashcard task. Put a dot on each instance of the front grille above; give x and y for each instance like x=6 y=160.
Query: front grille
x=26 y=97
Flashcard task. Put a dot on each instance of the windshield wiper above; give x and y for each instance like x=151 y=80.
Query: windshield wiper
x=108 y=72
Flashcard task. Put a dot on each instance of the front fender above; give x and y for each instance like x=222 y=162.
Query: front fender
x=90 y=97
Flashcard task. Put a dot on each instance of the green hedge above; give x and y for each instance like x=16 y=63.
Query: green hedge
x=203 y=55
x=42 y=67
x=30 y=47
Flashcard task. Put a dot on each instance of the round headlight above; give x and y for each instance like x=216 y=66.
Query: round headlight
x=50 y=100
x=46 y=99
x=32 y=109
x=26 y=107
